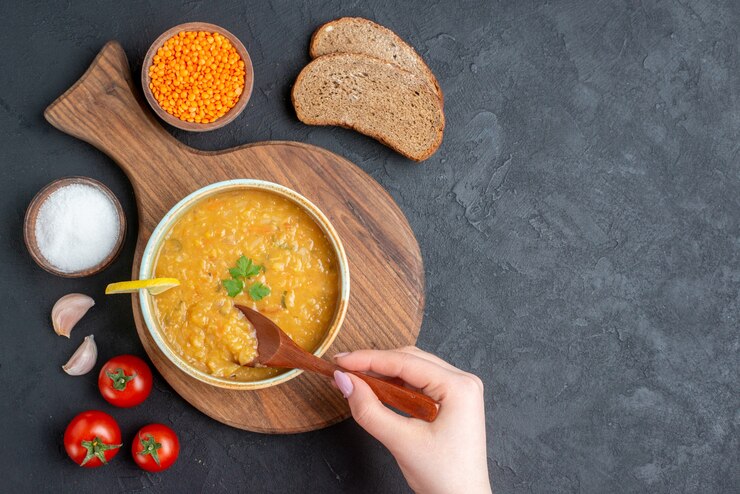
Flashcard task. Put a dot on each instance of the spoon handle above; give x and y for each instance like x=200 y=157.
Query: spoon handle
x=406 y=400
x=401 y=398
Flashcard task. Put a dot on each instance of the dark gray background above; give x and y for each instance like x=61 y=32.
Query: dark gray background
x=579 y=227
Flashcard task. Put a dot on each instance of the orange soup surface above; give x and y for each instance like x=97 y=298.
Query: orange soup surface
x=299 y=267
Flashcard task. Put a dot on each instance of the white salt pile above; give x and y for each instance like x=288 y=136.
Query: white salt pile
x=77 y=227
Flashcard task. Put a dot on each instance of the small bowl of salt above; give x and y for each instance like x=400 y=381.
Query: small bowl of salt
x=74 y=227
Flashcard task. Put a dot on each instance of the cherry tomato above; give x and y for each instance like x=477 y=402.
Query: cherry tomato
x=155 y=447
x=92 y=438
x=125 y=381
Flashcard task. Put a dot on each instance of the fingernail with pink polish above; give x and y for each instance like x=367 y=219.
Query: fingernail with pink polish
x=341 y=354
x=344 y=383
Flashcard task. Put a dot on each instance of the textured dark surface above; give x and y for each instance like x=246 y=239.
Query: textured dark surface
x=580 y=228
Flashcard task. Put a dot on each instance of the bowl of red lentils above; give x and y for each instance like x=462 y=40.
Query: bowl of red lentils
x=197 y=76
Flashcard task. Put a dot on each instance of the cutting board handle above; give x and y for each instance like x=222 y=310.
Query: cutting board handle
x=102 y=108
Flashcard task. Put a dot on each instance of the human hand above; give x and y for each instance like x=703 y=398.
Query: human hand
x=445 y=456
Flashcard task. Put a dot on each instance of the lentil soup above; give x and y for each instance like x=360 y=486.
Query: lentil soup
x=198 y=318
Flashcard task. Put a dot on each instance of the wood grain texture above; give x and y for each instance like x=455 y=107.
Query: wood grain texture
x=387 y=296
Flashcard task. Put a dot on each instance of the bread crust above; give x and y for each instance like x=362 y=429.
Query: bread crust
x=375 y=135
x=312 y=50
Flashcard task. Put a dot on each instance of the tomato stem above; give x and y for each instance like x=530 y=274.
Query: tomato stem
x=150 y=447
x=120 y=379
x=96 y=449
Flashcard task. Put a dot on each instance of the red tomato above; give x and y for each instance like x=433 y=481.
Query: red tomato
x=155 y=447
x=125 y=381
x=92 y=438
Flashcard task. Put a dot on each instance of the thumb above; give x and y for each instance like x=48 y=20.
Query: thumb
x=383 y=424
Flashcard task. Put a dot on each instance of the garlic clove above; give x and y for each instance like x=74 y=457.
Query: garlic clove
x=68 y=311
x=83 y=360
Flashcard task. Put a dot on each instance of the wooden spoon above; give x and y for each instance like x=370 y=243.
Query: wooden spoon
x=276 y=349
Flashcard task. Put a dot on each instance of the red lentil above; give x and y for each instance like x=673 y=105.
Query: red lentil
x=197 y=76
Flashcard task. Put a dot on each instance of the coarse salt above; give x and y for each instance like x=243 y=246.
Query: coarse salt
x=76 y=227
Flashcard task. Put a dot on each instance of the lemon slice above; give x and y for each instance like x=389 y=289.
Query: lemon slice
x=155 y=286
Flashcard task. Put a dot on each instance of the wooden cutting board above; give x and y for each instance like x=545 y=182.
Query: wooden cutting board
x=387 y=275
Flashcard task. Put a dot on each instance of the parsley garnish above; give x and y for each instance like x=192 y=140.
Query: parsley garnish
x=245 y=268
x=233 y=286
x=258 y=291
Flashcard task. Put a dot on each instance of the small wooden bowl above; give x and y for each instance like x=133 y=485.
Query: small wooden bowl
x=29 y=227
x=193 y=126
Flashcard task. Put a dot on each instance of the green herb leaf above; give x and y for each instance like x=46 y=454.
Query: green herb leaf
x=242 y=264
x=258 y=291
x=233 y=287
x=246 y=267
x=282 y=300
x=253 y=270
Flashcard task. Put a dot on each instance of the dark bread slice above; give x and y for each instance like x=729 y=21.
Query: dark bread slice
x=373 y=97
x=359 y=35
